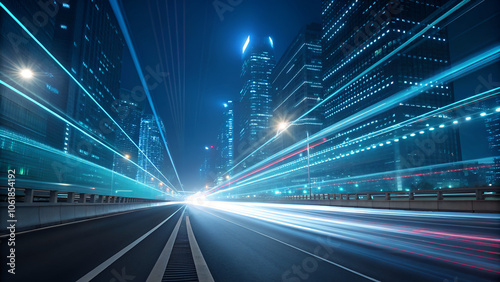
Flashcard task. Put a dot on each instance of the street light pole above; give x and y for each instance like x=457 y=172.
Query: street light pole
x=308 y=167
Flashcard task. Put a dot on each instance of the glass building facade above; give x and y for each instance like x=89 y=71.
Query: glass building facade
x=226 y=140
x=151 y=159
x=129 y=119
x=356 y=35
x=297 y=85
x=94 y=56
x=255 y=105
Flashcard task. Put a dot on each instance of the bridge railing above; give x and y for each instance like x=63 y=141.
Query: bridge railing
x=476 y=193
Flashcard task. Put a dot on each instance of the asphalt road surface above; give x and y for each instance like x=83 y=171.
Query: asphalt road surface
x=267 y=242
x=68 y=252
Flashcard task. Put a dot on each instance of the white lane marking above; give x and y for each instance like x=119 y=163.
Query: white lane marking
x=299 y=249
x=202 y=270
x=161 y=264
x=85 y=220
x=93 y=273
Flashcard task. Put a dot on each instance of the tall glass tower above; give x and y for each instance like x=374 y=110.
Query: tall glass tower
x=129 y=119
x=92 y=52
x=226 y=139
x=151 y=145
x=255 y=104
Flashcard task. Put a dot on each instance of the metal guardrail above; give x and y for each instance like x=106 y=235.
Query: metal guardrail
x=50 y=196
x=477 y=193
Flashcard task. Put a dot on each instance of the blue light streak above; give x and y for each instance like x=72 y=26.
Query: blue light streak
x=52 y=150
x=123 y=26
x=80 y=85
x=395 y=51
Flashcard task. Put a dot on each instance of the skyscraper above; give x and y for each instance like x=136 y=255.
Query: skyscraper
x=150 y=143
x=255 y=105
x=93 y=53
x=209 y=168
x=297 y=87
x=129 y=119
x=26 y=67
x=225 y=140
x=357 y=34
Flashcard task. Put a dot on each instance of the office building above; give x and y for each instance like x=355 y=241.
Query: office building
x=254 y=109
x=209 y=167
x=152 y=156
x=225 y=140
x=129 y=119
x=356 y=35
x=297 y=87
x=27 y=68
x=92 y=51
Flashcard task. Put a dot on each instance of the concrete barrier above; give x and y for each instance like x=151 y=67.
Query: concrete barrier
x=35 y=215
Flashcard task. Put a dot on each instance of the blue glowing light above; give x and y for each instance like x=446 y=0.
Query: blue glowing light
x=225 y=105
x=246 y=44
x=271 y=41
x=121 y=21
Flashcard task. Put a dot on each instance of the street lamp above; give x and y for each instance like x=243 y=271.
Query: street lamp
x=282 y=126
x=26 y=73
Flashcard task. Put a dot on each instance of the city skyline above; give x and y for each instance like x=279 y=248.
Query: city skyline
x=234 y=140
x=278 y=99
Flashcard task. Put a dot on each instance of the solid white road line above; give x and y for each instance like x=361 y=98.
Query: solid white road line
x=299 y=249
x=92 y=274
x=161 y=264
x=202 y=270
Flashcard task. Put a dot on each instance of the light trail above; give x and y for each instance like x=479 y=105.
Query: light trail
x=58 y=152
x=366 y=71
x=123 y=26
x=274 y=172
x=411 y=237
x=467 y=66
x=18 y=22
x=264 y=167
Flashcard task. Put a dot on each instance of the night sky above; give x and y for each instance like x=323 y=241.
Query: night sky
x=192 y=110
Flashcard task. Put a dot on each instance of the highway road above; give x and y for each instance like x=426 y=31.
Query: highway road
x=71 y=251
x=266 y=242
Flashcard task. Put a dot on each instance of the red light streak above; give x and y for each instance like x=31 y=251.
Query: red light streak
x=460 y=236
x=267 y=166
